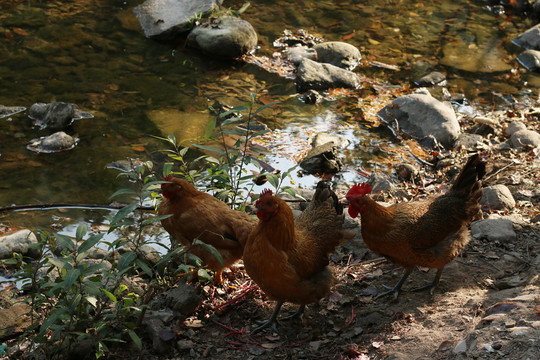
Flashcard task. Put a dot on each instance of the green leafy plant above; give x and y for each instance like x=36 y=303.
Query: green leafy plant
x=225 y=172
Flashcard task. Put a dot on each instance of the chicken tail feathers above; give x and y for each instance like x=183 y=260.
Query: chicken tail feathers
x=468 y=182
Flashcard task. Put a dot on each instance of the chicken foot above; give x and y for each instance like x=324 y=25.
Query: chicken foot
x=397 y=288
x=433 y=284
x=272 y=320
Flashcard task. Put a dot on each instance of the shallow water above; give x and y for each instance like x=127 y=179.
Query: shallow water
x=94 y=54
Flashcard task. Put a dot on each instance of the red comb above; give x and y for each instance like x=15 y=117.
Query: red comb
x=359 y=190
x=265 y=193
x=168 y=178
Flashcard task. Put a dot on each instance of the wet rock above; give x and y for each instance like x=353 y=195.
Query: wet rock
x=510 y=282
x=18 y=242
x=56 y=115
x=379 y=182
x=164 y=19
x=469 y=142
x=494 y=229
x=524 y=139
x=56 y=142
x=514 y=127
x=420 y=115
x=13 y=321
x=530 y=60
x=296 y=54
x=226 y=37
x=323 y=138
x=498 y=197
x=6 y=111
x=529 y=39
x=322 y=159
x=337 y=53
x=311 y=97
x=316 y=76
x=433 y=78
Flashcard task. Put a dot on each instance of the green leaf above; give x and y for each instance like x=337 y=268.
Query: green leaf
x=136 y=339
x=273 y=179
x=167 y=168
x=65 y=241
x=91 y=300
x=81 y=231
x=109 y=295
x=203 y=275
x=71 y=276
x=209 y=148
x=183 y=151
x=51 y=319
x=90 y=242
x=123 y=212
x=172 y=139
x=232 y=120
x=239 y=108
x=122 y=192
x=141 y=264
x=210 y=128
x=58 y=262
x=126 y=260
x=212 y=250
x=265 y=107
x=235 y=132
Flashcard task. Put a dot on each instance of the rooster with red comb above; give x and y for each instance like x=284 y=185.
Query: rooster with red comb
x=428 y=233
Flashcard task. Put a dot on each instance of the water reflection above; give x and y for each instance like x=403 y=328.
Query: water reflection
x=94 y=54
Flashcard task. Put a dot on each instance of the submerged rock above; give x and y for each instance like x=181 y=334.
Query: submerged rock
x=421 y=115
x=56 y=115
x=56 y=142
x=433 y=78
x=339 y=54
x=164 y=19
x=226 y=37
x=317 y=76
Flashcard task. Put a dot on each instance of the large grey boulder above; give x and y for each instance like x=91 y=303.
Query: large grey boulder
x=525 y=139
x=421 y=115
x=226 y=37
x=164 y=19
x=317 y=76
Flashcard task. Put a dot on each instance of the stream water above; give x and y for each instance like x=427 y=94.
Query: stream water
x=93 y=53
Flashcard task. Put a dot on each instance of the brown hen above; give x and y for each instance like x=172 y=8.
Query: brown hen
x=198 y=215
x=428 y=233
x=288 y=259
